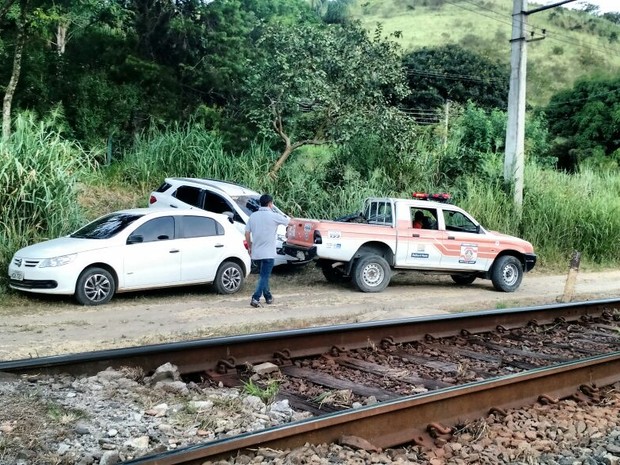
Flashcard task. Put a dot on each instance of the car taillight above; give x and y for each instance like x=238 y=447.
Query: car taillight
x=246 y=245
x=317 y=237
x=152 y=199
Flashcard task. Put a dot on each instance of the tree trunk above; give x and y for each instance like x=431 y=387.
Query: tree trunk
x=276 y=167
x=17 y=65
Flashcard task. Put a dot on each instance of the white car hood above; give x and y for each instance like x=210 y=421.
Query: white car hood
x=61 y=246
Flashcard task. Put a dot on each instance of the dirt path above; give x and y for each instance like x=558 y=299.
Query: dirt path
x=45 y=326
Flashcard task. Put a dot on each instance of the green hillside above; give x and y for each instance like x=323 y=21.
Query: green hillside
x=576 y=44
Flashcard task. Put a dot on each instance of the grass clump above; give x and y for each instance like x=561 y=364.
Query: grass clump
x=265 y=393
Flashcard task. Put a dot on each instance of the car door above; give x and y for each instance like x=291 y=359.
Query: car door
x=152 y=255
x=203 y=246
x=465 y=245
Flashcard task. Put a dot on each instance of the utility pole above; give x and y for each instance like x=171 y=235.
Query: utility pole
x=515 y=130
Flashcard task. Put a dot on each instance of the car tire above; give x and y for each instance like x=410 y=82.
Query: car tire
x=229 y=278
x=334 y=275
x=371 y=273
x=95 y=286
x=463 y=279
x=507 y=273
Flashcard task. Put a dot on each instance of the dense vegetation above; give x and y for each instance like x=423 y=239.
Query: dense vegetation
x=298 y=99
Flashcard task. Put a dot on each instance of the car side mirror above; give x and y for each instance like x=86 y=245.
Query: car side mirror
x=135 y=239
x=230 y=216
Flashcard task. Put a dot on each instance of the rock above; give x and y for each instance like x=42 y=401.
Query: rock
x=265 y=369
x=109 y=458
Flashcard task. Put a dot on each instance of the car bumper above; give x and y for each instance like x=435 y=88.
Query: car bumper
x=530 y=261
x=42 y=280
x=300 y=253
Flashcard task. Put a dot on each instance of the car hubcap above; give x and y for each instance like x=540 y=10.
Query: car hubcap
x=373 y=274
x=511 y=274
x=231 y=278
x=97 y=287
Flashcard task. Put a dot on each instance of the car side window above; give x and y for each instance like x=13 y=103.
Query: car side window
x=189 y=194
x=216 y=204
x=456 y=221
x=197 y=226
x=157 y=229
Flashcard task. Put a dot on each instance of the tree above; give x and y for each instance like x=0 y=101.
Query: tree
x=452 y=73
x=20 y=41
x=318 y=84
x=585 y=121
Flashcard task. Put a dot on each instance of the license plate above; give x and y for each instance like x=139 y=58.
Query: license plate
x=17 y=275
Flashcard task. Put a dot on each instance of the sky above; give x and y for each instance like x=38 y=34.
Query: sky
x=604 y=5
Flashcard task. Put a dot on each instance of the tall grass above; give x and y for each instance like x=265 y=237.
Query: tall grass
x=40 y=176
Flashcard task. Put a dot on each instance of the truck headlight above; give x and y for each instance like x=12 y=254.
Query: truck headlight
x=57 y=261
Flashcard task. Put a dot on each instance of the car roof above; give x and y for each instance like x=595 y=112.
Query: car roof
x=230 y=188
x=161 y=211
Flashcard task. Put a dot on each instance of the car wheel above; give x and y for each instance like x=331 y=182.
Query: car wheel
x=507 y=274
x=463 y=279
x=334 y=275
x=371 y=273
x=229 y=278
x=95 y=286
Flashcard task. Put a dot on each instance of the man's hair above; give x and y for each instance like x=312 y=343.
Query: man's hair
x=265 y=199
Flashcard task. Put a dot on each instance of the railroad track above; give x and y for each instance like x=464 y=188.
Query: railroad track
x=427 y=374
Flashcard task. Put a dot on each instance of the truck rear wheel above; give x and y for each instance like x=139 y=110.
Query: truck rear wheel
x=507 y=273
x=334 y=275
x=371 y=273
x=463 y=279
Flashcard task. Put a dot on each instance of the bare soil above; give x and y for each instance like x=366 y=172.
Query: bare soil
x=34 y=326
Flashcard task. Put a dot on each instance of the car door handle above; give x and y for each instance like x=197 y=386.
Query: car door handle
x=219 y=245
x=415 y=235
x=451 y=237
x=174 y=251
x=174 y=206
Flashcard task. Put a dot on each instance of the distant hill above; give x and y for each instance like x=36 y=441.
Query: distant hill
x=576 y=44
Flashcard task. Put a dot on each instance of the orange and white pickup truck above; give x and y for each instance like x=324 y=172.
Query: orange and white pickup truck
x=424 y=234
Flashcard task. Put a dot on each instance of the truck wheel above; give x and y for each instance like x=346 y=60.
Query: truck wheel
x=371 y=273
x=463 y=279
x=507 y=274
x=95 y=286
x=229 y=278
x=334 y=275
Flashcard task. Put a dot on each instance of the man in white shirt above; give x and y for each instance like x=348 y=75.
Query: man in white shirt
x=260 y=234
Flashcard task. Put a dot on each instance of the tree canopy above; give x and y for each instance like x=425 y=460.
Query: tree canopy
x=318 y=84
x=585 y=122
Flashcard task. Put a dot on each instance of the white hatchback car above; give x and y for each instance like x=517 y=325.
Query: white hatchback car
x=219 y=197
x=132 y=250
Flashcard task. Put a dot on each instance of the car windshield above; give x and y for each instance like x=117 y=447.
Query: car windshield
x=249 y=204
x=106 y=226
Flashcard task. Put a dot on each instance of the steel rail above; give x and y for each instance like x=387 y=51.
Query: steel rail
x=214 y=354
x=410 y=419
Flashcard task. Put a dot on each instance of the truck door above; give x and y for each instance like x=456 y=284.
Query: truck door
x=465 y=245
x=418 y=241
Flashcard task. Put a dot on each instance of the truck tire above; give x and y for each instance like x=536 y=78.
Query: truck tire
x=334 y=275
x=371 y=273
x=507 y=273
x=463 y=279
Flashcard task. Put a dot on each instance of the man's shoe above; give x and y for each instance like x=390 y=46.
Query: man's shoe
x=255 y=303
x=269 y=301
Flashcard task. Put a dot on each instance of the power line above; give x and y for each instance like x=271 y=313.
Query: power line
x=532 y=28
x=455 y=77
x=591 y=97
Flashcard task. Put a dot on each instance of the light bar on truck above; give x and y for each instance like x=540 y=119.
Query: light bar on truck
x=443 y=197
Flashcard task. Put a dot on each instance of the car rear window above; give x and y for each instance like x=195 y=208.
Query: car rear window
x=106 y=226
x=164 y=187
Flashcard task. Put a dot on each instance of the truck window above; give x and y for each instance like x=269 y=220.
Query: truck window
x=378 y=212
x=424 y=218
x=456 y=221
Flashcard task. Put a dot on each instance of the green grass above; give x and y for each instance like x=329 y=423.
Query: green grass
x=576 y=44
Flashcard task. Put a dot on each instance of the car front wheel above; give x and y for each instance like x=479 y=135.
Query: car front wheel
x=95 y=286
x=507 y=274
x=229 y=278
x=371 y=273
